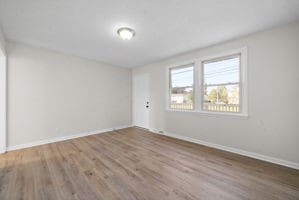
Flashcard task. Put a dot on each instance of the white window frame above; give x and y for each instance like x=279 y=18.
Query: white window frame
x=198 y=83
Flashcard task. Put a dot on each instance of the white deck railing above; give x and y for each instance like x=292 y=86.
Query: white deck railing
x=221 y=107
x=207 y=106
x=181 y=106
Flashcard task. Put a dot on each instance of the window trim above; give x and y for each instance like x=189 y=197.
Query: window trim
x=230 y=83
x=198 y=83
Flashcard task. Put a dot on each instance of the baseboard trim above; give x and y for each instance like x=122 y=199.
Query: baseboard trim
x=2 y=150
x=233 y=150
x=63 y=138
x=185 y=138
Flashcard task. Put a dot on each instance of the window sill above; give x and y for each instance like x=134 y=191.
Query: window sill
x=212 y=114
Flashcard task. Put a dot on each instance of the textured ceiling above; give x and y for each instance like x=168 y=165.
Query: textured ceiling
x=164 y=28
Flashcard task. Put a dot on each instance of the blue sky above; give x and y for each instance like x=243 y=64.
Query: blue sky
x=215 y=73
x=182 y=77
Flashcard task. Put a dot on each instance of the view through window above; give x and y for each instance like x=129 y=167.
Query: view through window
x=221 y=84
x=182 y=88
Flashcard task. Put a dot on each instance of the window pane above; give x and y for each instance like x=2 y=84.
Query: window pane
x=222 y=98
x=221 y=72
x=182 y=77
x=181 y=94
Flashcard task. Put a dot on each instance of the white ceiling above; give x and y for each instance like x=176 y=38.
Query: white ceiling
x=164 y=28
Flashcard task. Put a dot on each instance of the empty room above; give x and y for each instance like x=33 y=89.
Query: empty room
x=149 y=100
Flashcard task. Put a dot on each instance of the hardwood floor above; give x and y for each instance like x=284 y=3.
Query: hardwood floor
x=135 y=164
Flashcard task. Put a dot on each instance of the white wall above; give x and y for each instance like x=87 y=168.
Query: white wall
x=55 y=95
x=2 y=42
x=273 y=70
x=3 y=76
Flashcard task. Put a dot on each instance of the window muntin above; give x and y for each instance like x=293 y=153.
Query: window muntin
x=181 y=87
x=221 y=84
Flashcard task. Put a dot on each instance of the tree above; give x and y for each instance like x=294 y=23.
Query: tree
x=223 y=94
x=212 y=96
x=218 y=94
x=189 y=97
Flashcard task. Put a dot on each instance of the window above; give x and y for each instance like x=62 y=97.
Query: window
x=182 y=87
x=221 y=84
x=211 y=85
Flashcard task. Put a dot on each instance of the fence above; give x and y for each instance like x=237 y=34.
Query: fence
x=207 y=106
x=221 y=107
x=181 y=106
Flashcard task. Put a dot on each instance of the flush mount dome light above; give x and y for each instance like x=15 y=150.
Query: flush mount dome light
x=126 y=33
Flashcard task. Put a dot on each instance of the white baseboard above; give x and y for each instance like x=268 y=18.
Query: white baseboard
x=234 y=150
x=57 y=139
x=213 y=145
x=2 y=150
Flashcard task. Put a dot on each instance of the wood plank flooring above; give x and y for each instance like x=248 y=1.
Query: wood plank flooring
x=135 y=164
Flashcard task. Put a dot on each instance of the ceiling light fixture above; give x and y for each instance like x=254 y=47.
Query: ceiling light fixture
x=126 y=33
